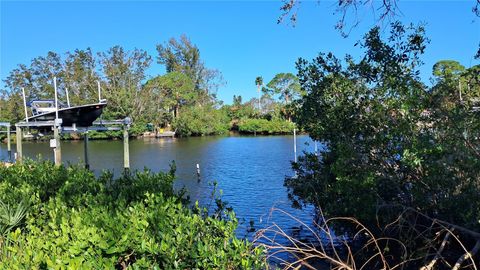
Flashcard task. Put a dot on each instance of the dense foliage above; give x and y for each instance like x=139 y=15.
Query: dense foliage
x=65 y=217
x=122 y=76
x=287 y=87
x=183 y=100
x=264 y=126
x=201 y=121
x=392 y=141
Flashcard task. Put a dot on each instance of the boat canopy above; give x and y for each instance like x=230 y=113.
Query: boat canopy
x=38 y=101
x=43 y=106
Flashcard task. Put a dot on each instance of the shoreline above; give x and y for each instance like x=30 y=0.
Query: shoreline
x=77 y=137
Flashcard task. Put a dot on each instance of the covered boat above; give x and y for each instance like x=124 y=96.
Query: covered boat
x=81 y=116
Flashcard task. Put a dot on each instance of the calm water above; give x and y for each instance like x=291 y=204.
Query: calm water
x=249 y=170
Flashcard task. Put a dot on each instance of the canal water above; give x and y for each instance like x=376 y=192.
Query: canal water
x=249 y=170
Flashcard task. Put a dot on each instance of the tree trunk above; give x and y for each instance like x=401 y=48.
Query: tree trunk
x=259 y=106
x=287 y=100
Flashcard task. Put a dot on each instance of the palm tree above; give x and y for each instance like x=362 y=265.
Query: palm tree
x=10 y=218
x=259 y=83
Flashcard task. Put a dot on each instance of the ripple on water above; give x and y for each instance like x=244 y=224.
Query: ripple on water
x=249 y=170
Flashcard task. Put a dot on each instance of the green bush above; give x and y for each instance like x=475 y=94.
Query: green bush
x=263 y=126
x=104 y=135
x=201 y=121
x=76 y=220
x=393 y=142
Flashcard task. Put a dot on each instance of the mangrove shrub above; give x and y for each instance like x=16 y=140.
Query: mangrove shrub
x=76 y=220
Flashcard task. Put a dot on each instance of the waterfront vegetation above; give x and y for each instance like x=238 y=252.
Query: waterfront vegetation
x=264 y=126
x=64 y=217
x=183 y=99
x=402 y=157
x=401 y=160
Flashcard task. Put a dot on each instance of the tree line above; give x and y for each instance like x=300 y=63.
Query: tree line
x=182 y=99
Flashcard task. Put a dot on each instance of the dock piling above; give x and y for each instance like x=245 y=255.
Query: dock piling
x=126 y=154
x=58 y=129
x=85 y=150
x=9 y=144
x=19 y=154
x=57 y=149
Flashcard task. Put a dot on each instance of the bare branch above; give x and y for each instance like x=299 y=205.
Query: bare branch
x=388 y=9
x=438 y=255
x=468 y=255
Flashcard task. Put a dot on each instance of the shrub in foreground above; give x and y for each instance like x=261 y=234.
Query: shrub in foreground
x=76 y=220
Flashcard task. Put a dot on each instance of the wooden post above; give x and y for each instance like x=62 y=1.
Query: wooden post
x=19 y=144
x=9 y=144
x=85 y=150
x=56 y=128
x=126 y=154
x=58 y=149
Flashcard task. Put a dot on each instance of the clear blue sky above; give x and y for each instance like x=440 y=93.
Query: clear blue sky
x=240 y=38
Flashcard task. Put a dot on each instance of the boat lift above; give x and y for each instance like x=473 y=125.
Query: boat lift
x=101 y=125
x=58 y=128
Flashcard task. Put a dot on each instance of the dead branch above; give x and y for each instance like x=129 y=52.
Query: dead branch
x=475 y=235
x=438 y=255
x=467 y=255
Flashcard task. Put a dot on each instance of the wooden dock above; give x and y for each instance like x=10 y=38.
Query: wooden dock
x=166 y=134
x=101 y=125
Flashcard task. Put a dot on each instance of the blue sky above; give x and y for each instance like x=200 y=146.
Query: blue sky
x=240 y=38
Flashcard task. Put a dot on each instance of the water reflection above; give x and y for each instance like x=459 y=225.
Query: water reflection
x=249 y=170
